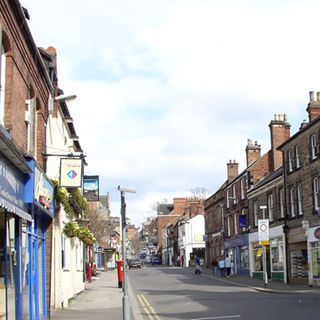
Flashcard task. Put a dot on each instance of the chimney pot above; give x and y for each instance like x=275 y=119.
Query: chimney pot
x=311 y=94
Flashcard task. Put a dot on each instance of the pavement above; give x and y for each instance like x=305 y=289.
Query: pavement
x=102 y=299
x=259 y=285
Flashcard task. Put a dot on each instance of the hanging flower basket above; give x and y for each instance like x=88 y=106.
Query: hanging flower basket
x=70 y=229
x=85 y=235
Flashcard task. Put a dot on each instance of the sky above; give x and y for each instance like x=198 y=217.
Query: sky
x=168 y=91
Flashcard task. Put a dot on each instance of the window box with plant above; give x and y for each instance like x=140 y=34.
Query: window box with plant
x=70 y=229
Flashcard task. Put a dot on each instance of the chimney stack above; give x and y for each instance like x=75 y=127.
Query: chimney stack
x=233 y=170
x=253 y=152
x=279 y=132
x=313 y=108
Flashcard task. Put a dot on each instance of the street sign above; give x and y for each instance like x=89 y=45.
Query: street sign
x=263 y=230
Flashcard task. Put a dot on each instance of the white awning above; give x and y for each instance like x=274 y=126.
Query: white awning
x=14 y=209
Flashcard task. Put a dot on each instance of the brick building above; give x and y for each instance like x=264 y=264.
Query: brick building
x=26 y=211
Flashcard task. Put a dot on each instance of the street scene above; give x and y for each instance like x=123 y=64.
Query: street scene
x=159 y=160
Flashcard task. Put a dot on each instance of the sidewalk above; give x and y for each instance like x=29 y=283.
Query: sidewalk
x=259 y=285
x=101 y=299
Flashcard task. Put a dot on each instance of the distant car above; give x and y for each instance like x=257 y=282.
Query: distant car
x=147 y=259
x=156 y=260
x=135 y=263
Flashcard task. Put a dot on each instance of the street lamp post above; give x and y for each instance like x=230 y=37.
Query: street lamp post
x=125 y=299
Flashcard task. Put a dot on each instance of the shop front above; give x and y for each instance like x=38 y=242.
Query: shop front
x=13 y=256
x=238 y=250
x=314 y=256
x=271 y=255
x=39 y=198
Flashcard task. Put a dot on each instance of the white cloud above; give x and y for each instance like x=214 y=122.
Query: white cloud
x=170 y=90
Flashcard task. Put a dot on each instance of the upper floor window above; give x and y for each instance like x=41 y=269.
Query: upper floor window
x=234 y=196
x=31 y=123
x=235 y=219
x=314 y=146
x=255 y=213
x=281 y=200
x=270 y=207
x=292 y=203
x=315 y=184
x=299 y=196
x=2 y=80
x=242 y=186
x=290 y=160
x=228 y=227
x=298 y=157
x=228 y=198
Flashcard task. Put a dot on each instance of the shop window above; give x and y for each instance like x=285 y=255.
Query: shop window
x=258 y=259
x=24 y=267
x=277 y=254
x=315 y=259
x=244 y=257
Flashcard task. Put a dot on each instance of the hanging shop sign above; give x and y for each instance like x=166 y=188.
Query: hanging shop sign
x=71 y=172
x=12 y=189
x=242 y=221
x=317 y=233
x=91 y=188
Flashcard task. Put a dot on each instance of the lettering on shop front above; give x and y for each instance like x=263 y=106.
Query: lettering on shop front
x=8 y=175
x=317 y=233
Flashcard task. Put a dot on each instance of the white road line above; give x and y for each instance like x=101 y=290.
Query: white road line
x=219 y=317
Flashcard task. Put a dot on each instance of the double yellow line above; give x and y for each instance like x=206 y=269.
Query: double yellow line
x=147 y=307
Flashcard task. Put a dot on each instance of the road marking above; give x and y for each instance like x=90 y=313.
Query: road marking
x=219 y=317
x=147 y=307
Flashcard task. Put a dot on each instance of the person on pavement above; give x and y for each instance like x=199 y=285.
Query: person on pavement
x=198 y=268
x=228 y=265
x=222 y=267
x=214 y=267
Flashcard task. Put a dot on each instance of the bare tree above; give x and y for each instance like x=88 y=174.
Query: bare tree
x=200 y=193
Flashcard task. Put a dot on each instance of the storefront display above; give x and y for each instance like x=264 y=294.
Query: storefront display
x=277 y=254
x=299 y=263
x=315 y=257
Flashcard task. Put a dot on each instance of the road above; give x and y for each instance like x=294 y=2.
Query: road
x=169 y=293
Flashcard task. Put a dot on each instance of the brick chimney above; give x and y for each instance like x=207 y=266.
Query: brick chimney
x=279 y=132
x=233 y=169
x=313 y=108
x=253 y=152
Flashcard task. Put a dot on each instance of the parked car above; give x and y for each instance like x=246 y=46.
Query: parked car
x=147 y=259
x=135 y=263
x=156 y=259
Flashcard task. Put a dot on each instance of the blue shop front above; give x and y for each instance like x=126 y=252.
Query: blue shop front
x=13 y=218
x=39 y=194
x=238 y=249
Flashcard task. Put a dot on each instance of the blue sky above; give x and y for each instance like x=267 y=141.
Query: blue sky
x=168 y=91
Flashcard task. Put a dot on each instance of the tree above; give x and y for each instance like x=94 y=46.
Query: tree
x=200 y=193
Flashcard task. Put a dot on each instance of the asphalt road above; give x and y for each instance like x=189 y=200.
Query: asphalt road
x=175 y=293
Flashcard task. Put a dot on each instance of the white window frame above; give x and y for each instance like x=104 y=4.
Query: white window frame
x=270 y=206
x=290 y=160
x=228 y=226
x=242 y=188
x=314 y=146
x=235 y=223
x=255 y=212
x=228 y=197
x=315 y=183
x=31 y=119
x=297 y=155
x=292 y=203
x=281 y=200
x=299 y=198
x=234 y=198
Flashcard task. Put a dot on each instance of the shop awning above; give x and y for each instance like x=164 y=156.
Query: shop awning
x=14 y=209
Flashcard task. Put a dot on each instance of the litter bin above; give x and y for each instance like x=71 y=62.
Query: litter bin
x=120 y=272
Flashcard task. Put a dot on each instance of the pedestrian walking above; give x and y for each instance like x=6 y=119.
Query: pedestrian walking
x=182 y=260
x=214 y=267
x=228 y=265
x=222 y=267
x=198 y=268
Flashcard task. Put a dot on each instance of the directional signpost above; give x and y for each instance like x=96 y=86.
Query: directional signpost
x=263 y=237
